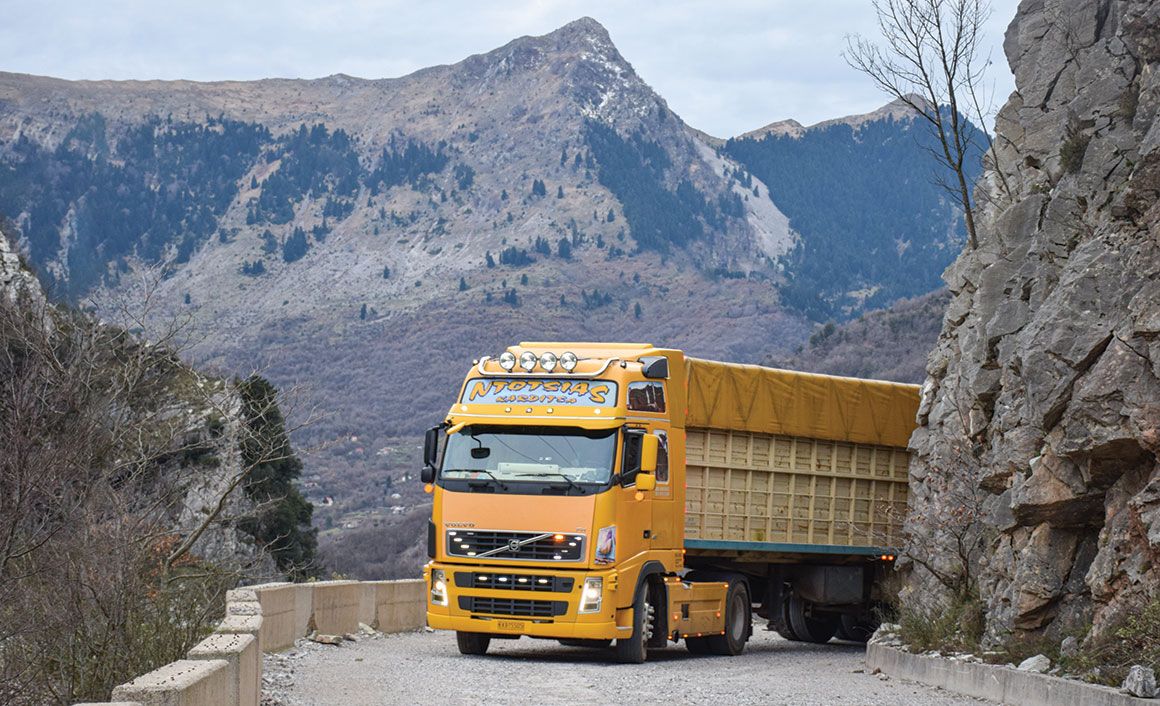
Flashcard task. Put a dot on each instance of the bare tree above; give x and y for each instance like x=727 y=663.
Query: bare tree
x=117 y=464
x=931 y=57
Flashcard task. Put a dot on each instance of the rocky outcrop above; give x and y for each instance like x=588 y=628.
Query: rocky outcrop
x=14 y=279
x=1043 y=396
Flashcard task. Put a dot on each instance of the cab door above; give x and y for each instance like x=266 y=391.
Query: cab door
x=634 y=517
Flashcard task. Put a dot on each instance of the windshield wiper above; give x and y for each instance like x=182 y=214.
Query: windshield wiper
x=477 y=470
x=565 y=476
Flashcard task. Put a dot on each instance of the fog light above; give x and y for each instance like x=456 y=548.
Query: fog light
x=592 y=595
x=528 y=361
x=507 y=361
x=438 y=587
x=548 y=362
x=568 y=361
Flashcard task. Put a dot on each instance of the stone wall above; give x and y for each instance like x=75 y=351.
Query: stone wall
x=225 y=669
x=1042 y=403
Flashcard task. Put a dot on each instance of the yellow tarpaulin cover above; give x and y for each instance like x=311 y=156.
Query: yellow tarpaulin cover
x=771 y=401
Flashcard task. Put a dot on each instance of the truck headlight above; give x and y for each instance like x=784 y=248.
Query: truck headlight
x=592 y=595
x=438 y=587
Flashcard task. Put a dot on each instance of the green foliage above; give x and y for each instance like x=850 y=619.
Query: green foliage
x=462 y=284
x=596 y=299
x=269 y=243
x=296 y=246
x=284 y=524
x=362 y=313
x=515 y=257
x=564 y=249
x=490 y=260
x=312 y=161
x=464 y=176
x=1073 y=149
x=956 y=627
x=634 y=169
x=636 y=311
x=510 y=297
x=253 y=269
x=539 y=188
x=111 y=191
x=868 y=207
x=407 y=162
x=560 y=192
x=1136 y=640
x=386 y=272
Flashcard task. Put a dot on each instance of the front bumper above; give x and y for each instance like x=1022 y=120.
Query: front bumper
x=505 y=611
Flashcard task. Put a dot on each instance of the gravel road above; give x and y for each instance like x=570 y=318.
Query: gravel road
x=425 y=667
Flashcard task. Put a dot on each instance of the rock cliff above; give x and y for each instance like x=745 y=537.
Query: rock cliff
x=1040 y=419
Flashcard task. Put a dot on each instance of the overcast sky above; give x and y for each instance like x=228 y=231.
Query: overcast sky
x=726 y=66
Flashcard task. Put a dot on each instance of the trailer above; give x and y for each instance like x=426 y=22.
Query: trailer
x=600 y=493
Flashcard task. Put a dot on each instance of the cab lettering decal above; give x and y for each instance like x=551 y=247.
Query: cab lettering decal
x=564 y=393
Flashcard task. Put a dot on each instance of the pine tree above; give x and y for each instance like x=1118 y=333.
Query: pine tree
x=386 y=272
x=559 y=192
x=524 y=279
x=490 y=260
x=636 y=310
x=362 y=313
x=283 y=526
x=462 y=284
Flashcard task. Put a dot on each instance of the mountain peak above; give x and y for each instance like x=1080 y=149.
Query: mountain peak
x=897 y=110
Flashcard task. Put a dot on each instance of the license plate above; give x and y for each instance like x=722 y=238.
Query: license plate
x=513 y=625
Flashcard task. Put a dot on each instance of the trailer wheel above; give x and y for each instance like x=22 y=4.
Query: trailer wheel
x=593 y=644
x=809 y=626
x=857 y=628
x=784 y=627
x=472 y=643
x=737 y=621
x=634 y=650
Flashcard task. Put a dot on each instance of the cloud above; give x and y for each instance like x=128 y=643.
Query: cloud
x=726 y=66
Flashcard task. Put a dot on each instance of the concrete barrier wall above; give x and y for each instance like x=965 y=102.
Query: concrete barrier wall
x=988 y=681
x=225 y=669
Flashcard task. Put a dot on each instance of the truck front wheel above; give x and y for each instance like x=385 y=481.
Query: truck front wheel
x=634 y=650
x=472 y=643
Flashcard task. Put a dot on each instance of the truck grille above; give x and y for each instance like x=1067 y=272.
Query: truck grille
x=513 y=606
x=533 y=546
x=514 y=582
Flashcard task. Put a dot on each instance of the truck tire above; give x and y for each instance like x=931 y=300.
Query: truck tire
x=810 y=627
x=634 y=650
x=472 y=643
x=856 y=628
x=784 y=627
x=737 y=621
x=593 y=644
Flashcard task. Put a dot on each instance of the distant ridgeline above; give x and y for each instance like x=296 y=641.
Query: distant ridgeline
x=162 y=188
x=875 y=223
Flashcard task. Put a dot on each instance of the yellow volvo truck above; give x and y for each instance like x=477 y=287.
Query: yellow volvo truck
x=592 y=493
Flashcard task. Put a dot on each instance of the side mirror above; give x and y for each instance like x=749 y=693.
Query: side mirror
x=648 y=455
x=646 y=481
x=430 y=454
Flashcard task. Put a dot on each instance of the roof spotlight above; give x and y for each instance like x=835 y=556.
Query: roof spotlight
x=548 y=362
x=568 y=361
x=507 y=360
x=528 y=361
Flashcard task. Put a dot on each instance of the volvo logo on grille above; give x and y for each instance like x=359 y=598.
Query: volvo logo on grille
x=514 y=545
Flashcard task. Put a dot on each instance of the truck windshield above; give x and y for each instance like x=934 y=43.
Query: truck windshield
x=530 y=454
